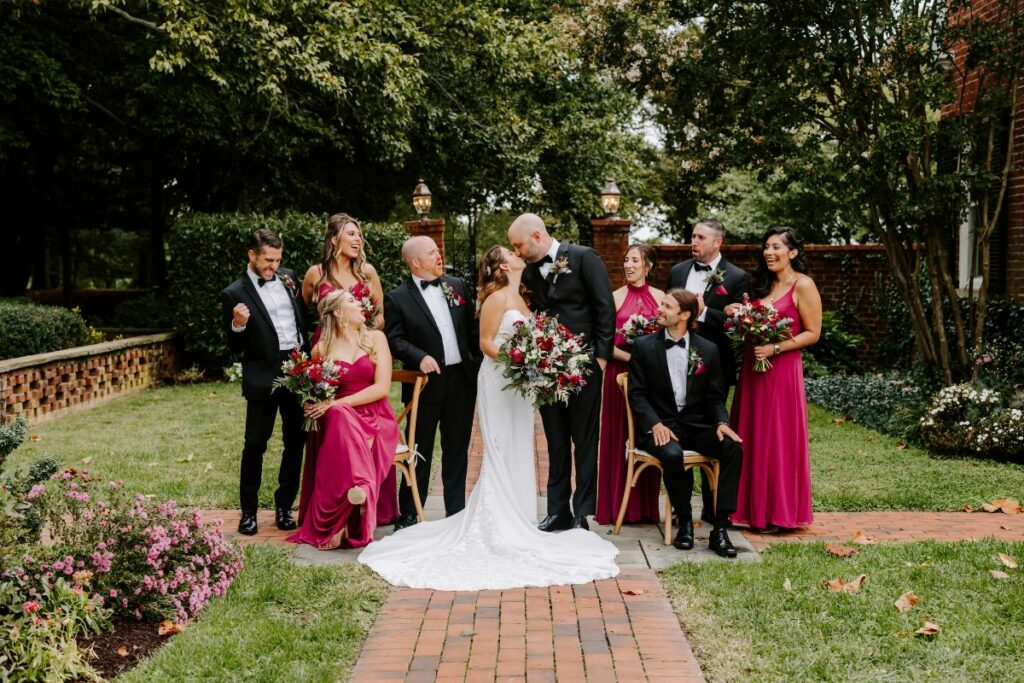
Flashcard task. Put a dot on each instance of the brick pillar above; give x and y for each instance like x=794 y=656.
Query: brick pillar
x=432 y=228
x=610 y=241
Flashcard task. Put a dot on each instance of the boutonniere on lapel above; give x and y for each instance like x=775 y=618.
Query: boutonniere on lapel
x=559 y=268
x=453 y=298
x=286 y=280
x=716 y=280
x=695 y=362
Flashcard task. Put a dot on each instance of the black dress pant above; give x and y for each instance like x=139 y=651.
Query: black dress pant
x=572 y=433
x=259 y=426
x=679 y=484
x=448 y=401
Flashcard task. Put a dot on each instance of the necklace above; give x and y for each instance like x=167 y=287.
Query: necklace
x=785 y=288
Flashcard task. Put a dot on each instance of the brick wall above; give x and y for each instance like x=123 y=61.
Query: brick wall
x=49 y=385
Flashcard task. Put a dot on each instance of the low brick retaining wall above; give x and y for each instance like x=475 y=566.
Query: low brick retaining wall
x=49 y=385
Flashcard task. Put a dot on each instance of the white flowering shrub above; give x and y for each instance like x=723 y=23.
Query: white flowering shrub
x=964 y=418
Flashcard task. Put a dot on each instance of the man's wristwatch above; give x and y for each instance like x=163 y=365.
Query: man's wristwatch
x=776 y=349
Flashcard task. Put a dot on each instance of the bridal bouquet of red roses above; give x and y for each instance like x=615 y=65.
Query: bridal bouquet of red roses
x=311 y=380
x=757 y=323
x=544 y=361
x=638 y=325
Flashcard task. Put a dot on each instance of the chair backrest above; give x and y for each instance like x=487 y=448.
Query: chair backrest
x=418 y=380
x=622 y=379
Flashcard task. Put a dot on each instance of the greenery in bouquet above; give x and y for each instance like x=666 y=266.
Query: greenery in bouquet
x=638 y=325
x=311 y=380
x=756 y=323
x=544 y=361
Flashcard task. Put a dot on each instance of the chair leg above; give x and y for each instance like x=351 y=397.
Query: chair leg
x=713 y=480
x=416 y=492
x=668 y=520
x=625 y=496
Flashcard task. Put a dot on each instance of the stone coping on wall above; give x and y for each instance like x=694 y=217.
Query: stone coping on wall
x=83 y=351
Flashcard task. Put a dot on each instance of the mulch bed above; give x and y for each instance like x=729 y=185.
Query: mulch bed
x=138 y=638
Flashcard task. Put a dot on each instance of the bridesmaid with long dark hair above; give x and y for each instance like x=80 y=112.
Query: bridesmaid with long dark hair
x=769 y=409
x=636 y=296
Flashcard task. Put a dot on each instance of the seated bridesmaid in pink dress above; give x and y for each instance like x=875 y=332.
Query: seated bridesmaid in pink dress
x=349 y=459
x=769 y=409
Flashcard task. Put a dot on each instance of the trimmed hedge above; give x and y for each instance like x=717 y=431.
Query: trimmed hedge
x=28 y=329
x=891 y=403
x=208 y=251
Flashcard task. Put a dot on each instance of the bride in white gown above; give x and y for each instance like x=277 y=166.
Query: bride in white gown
x=494 y=542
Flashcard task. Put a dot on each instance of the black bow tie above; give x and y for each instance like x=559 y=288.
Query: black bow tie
x=436 y=282
x=260 y=281
x=701 y=266
x=547 y=259
x=669 y=343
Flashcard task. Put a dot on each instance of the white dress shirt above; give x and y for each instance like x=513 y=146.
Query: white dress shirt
x=278 y=302
x=678 y=359
x=438 y=306
x=545 y=268
x=697 y=281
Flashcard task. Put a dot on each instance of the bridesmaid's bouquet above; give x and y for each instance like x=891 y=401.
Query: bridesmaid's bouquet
x=638 y=325
x=544 y=361
x=757 y=323
x=310 y=380
x=361 y=292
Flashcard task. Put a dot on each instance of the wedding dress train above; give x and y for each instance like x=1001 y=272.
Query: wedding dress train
x=494 y=542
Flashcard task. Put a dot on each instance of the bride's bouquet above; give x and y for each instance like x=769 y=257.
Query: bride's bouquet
x=757 y=323
x=311 y=381
x=544 y=361
x=638 y=325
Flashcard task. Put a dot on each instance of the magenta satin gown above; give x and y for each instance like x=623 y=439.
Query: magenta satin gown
x=769 y=412
x=355 y=446
x=611 y=457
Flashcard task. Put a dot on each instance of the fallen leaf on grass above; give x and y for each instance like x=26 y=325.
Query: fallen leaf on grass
x=998 y=574
x=929 y=629
x=187 y=458
x=123 y=651
x=901 y=446
x=966 y=508
x=1007 y=561
x=839 y=420
x=86 y=460
x=168 y=628
x=639 y=591
x=209 y=466
x=988 y=507
x=33 y=437
x=840 y=550
x=906 y=601
x=860 y=538
x=787 y=585
x=841 y=586
x=1009 y=506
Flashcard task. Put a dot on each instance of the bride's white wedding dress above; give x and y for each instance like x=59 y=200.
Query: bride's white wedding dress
x=494 y=542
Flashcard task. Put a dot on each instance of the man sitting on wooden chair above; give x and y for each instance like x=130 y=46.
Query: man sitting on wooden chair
x=678 y=399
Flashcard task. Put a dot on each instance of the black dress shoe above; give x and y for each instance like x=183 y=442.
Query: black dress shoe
x=721 y=544
x=405 y=521
x=684 y=537
x=284 y=519
x=580 y=523
x=247 y=524
x=555 y=523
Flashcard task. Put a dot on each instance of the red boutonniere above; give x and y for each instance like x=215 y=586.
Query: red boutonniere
x=716 y=282
x=286 y=280
x=695 y=362
x=453 y=298
x=721 y=290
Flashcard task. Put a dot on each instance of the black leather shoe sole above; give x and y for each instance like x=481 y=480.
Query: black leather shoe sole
x=555 y=523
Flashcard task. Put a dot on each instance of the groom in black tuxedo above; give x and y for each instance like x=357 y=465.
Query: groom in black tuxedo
x=265 y=340
x=571 y=282
x=716 y=284
x=430 y=324
x=678 y=399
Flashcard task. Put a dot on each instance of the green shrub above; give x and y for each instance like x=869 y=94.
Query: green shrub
x=964 y=417
x=12 y=435
x=836 y=350
x=208 y=251
x=146 y=311
x=28 y=329
x=887 y=403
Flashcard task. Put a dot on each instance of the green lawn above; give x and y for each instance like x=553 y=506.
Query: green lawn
x=278 y=622
x=185 y=442
x=745 y=625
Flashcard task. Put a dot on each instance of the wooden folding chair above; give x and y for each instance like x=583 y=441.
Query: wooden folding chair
x=406 y=454
x=638 y=460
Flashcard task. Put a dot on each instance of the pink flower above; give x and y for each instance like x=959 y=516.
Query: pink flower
x=31 y=606
x=35 y=492
x=721 y=290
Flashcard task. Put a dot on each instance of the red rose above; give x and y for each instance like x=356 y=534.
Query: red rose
x=700 y=369
x=543 y=363
x=516 y=355
x=721 y=290
x=546 y=343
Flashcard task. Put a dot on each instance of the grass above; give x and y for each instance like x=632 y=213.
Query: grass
x=182 y=442
x=744 y=625
x=278 y=622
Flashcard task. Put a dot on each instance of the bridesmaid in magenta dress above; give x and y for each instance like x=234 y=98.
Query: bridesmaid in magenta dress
x=635 y=297
x=349 y=459
x=769 y=409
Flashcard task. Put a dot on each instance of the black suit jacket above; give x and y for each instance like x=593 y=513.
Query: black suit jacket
x=413 y=334
x=650 y=386
x=582 y=299
x=258 y=343
x=737 y=283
